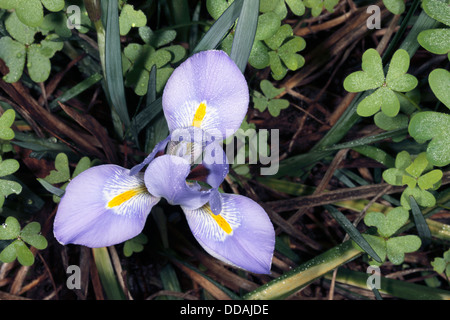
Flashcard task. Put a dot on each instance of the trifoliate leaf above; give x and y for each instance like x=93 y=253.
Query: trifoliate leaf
x=439 y=80
x=438 y=10
x=61 y=172
x=278 y=38
x=371 y=77
x=423 y=198
x=397 y=79
x=6 y=121
x=398 y=246
x=129 y=18
x=19 y=30
x=395 y=6
x=216 y=7
x=429 y=125
x=387 y=224
x=24 y=254
x=417 y=167
x=269 y=90
x=259 y=56
x=436 y=41
x=297 y=7
x=135 y=244
x=31 y=235
x=276 y=105
x=30 y=12
x=430 y=179
x=10 y=229
x=391 y=123
x=14 y=55
x=268 y=24
x=53 y=5
x=8 y=166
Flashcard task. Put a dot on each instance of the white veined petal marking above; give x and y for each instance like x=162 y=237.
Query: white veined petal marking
x=126 y=194
x=216 y=227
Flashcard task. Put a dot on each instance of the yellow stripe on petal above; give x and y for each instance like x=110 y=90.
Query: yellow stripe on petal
x=199 y=115
x=223 y=224
x=124 y=196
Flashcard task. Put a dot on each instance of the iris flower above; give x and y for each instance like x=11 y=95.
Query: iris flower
x=204 y=102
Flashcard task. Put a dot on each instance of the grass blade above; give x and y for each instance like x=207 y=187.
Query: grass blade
x=77 y=89
x=107 y=274
x=397 y=288
x=220 y=28
x=421 y=224
x=113 y=64
x=245 y=33
x=352 y=232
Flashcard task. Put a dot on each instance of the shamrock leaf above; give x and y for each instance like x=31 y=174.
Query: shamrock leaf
x=140 y=60
x=284 y=56
x=6 y=121
x=267 y=101
x=31 y=12
x=8 y=187
x=442 y=265
x=10 y=229
x=129 y=17
x=31 y=235
x=297 y=7
x=418 y=175
x=436 y=41
x=18 y=249
x=318 y=5
x=62 y=172
x=372 y=77
x=135 y=244
x=438 y=10
x=439 y=80
x=398 y=246
x=387 y=224
x=14 y=51
x=395 y=6
x=430 y=125
x=62 y=175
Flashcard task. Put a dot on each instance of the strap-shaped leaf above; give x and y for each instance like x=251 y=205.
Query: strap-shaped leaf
x=421 y=224
x=352 y=232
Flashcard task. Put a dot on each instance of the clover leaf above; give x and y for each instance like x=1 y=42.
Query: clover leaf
x=138 y=62
x=386 y=246
x=372 y=78
x=442 y=265
x=439 y=80
x=6 y=121
x=30 y=234
x=8 y=187
x=284 y=56
x=31 y=12
x=437 y=40
x=318 y=5
x=430 y=125
x=395 y=6
x=135 y=244
x=419 y=177
x=130 y=18
x=280 y=7
x=16 y=50
x=387 y=224
x=267 y=99
x=61 y=174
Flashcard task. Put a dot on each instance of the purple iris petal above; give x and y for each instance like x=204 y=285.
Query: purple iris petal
x=208 y=80
x=215 y=160
x=160 y=146
x=241 y=235
x=166 y=177
x=103 y=206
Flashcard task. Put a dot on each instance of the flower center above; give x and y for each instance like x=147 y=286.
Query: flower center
x=124 y=196
x=199 y=115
